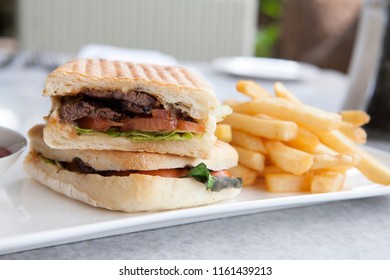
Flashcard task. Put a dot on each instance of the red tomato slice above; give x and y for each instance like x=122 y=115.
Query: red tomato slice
x=98 y=124
x=190 y=127
x=169 y=173
x=221 y=173
x=142 y=124
x=162 y=113
x=149 y=124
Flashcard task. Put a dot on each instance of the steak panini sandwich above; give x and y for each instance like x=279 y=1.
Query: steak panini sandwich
x=133 y=181
x=112 y=105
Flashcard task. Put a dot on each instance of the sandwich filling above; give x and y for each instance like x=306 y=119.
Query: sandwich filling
x=118 y=113
x=214 y=180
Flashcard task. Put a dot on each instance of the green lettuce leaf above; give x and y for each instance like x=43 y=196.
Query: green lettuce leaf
x=50 y=161
x=202 y=174
x=80 y=130
x=213 y=183
x=47 y=160
x=138 y=136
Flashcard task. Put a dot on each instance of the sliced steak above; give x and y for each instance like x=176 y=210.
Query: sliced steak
x=133 y=101
x=113 y=105
x=74 y=110
x=77 y=165
x=128 y=106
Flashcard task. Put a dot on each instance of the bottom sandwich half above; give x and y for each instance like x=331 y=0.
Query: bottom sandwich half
x=131 y=181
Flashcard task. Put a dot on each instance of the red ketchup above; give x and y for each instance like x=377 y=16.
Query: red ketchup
x=4 y=152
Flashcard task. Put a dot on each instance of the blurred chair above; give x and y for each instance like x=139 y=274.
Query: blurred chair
x=320 y=32
x=367 y=54
x=196 y=30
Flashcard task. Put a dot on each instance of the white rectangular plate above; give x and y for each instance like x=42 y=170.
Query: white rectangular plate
x=33 y=216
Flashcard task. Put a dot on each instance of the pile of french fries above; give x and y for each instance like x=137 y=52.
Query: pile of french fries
x=295 y=147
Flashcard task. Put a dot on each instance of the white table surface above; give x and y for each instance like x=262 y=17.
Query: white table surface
x=356 y=229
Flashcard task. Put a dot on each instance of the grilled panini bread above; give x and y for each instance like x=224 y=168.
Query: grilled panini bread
x=131 y=181
x=112 y=105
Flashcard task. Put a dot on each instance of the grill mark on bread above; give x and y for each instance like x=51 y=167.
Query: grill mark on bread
x=171 y=75
x=88 y=67
x=180 y=77
x=138 y=72
x=121 y=70
x=153 y=73
x=105 y=68
x=168 y=77
x=189 y=77
x=161 y=74
x=131 y=70
x=79 y=67
x=148 y=74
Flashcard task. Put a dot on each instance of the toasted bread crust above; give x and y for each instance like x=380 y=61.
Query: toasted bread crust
x=174 y=87
x=169 y=84
x=132 y=193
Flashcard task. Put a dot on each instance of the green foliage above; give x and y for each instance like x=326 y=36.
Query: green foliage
x=271 y=8
x=268 y=29
x=266 y=40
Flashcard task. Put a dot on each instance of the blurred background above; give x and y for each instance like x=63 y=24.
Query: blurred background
x=320 y=32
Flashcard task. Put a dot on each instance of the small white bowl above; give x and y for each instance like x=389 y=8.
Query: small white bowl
x=15 y=143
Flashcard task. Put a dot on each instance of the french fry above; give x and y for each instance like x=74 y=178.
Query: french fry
x=248 y=141
x=224 y=133
x=272 y=129
x=356 y=134
x=337 y=169
x=340 y=160
x=269 y=169
x=285 y=182
x=305 y=141
x=308 y=117
x=327 y=182
x=252 y=89
x=355 y=117
x=289 y=159
x=265 y=117
x=322 y=149
x=282 y=92
x=295 y=147
x=369 y=166
x=250 y=159
x=248 y=175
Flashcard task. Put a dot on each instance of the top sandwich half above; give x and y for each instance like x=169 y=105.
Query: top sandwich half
x=113 y=105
